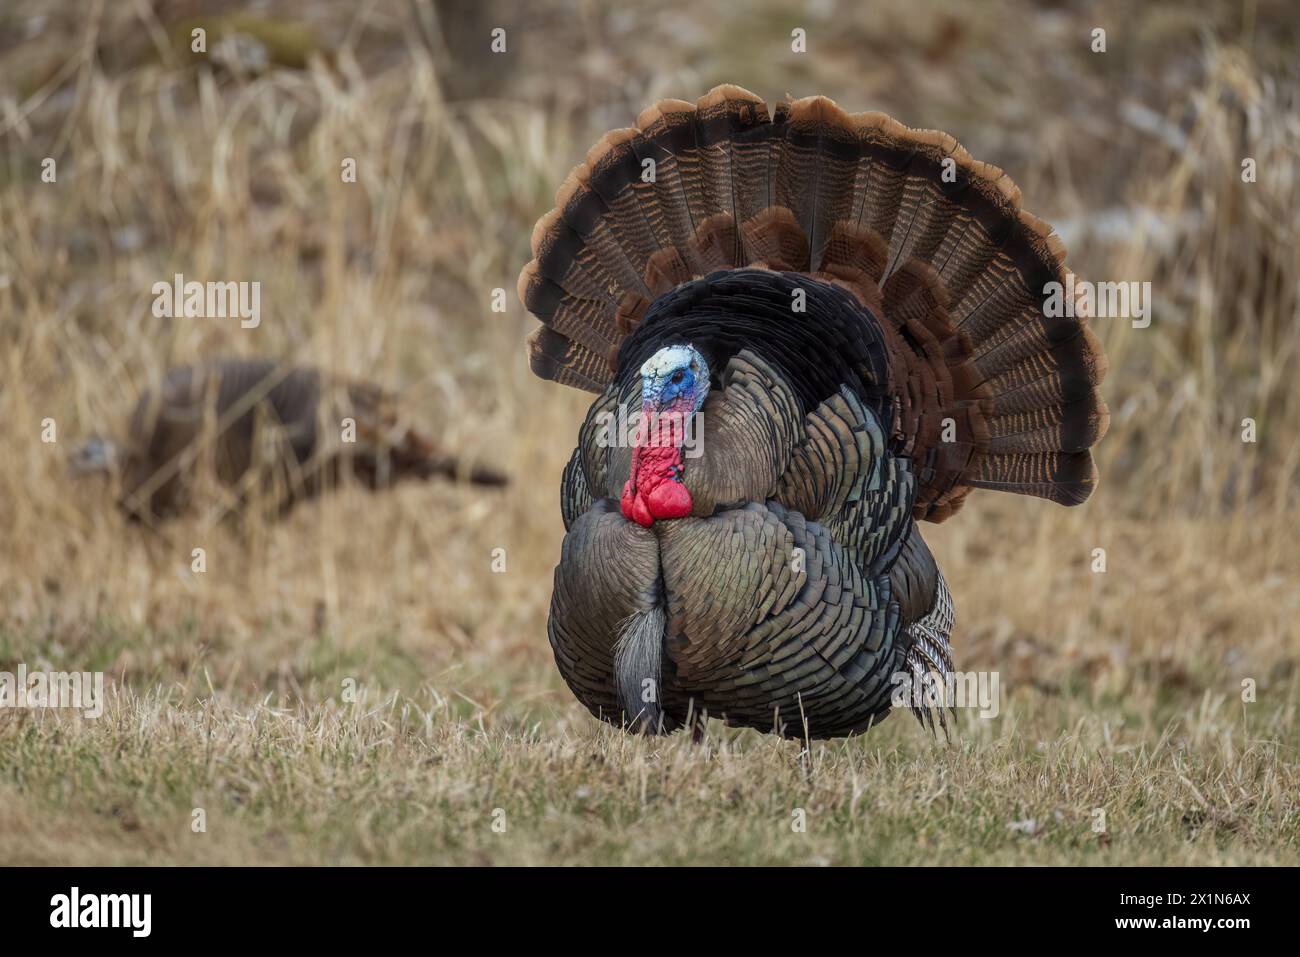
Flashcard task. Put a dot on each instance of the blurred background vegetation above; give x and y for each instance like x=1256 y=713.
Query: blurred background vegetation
x=226 y=165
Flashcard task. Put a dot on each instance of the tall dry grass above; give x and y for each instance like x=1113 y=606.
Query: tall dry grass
x=1125 y=683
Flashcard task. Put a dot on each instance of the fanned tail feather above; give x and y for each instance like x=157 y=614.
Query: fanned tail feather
x=989 y=392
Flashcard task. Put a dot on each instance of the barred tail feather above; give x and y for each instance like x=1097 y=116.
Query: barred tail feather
x=990 y=392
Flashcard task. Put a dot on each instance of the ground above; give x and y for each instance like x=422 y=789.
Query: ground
x=369 y=681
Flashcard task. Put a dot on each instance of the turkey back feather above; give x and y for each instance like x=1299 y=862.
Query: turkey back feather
x=924 y=283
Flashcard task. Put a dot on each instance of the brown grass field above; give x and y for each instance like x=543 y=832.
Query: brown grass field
x=1123 y=690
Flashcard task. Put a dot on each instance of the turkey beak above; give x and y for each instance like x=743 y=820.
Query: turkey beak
x=650 y=408
x=650 y=395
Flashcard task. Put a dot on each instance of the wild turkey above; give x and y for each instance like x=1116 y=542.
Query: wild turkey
x=855 y=311
x=265 y=427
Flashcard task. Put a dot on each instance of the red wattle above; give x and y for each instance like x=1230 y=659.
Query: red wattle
x=634 y=506
x=669 y=500
x=640 y=513
x=654 y=490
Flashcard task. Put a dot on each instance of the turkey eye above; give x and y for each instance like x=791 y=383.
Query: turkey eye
x=677 y=376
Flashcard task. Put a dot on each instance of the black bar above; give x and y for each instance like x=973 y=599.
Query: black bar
x=331 y=907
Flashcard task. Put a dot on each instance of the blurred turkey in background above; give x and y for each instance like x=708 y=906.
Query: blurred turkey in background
x=265 y=430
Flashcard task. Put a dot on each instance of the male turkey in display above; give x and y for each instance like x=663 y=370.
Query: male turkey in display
x=855 y=310
x=264 y=426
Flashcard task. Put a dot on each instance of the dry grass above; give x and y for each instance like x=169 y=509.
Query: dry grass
x=1123 y=689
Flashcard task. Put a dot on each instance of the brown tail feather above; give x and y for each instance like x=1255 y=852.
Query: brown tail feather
x=991 y=393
